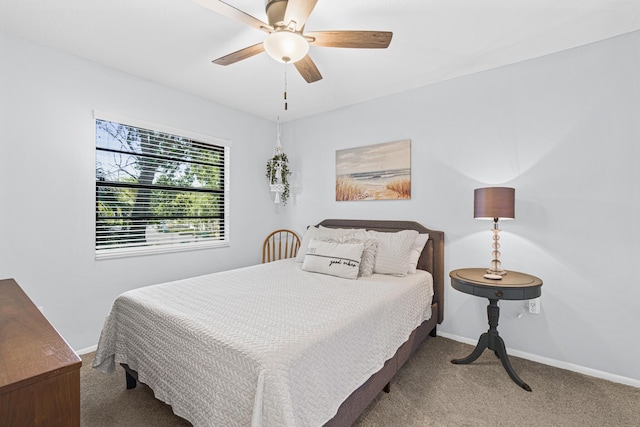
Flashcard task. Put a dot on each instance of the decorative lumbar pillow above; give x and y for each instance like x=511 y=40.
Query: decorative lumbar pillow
x=313 y=232
x=336 y=259
x=394 y=250
x=416 y=251
x=368 y=260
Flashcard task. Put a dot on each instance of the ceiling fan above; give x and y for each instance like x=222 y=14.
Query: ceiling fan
x=286 y=40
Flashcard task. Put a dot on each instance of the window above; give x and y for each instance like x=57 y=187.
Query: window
x=158 y=189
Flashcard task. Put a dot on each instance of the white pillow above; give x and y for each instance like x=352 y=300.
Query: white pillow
x=336 y=259
x=304 y=244
x=319 y=231
x=416 y=250
x=336 y=231
x=393 y=251
x=368 y=260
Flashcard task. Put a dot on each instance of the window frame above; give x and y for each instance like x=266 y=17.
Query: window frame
x=109 y=253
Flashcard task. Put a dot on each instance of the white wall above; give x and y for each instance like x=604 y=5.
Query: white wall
x=564 y=131
x=47 y=183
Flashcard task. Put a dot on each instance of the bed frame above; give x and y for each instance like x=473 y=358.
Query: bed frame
x=431 y=260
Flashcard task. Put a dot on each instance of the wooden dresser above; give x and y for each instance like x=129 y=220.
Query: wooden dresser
x=39 y=372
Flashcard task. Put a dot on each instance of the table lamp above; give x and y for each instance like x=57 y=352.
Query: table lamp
x=494 y=203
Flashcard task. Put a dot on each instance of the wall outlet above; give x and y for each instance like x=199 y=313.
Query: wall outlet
x=534 y=306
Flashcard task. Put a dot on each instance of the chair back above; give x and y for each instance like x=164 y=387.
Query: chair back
x=280 y=244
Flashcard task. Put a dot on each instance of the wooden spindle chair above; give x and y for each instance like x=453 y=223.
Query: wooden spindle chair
x=280 y=244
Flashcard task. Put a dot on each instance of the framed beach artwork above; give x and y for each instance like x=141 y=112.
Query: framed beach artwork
x=374 y=172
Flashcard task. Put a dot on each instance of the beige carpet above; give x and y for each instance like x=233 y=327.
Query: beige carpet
x=428 y=391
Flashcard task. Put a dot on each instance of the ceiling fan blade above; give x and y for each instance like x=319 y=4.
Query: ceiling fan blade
x=227 y=10
x=307 y=68
x=354 y=39
x=239 y=55
x=299 y=11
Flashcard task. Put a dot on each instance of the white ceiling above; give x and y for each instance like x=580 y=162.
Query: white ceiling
x=172 y=42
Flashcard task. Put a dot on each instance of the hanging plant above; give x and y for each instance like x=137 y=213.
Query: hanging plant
x=277 y=173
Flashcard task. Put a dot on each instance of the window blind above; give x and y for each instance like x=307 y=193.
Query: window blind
x=158 y=191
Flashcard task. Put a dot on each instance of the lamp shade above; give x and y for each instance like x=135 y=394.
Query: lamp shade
x=494 y=202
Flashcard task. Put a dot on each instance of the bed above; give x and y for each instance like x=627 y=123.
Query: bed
x=312 y=357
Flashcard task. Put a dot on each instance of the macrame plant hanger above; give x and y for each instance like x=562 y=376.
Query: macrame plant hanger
x=278 y=187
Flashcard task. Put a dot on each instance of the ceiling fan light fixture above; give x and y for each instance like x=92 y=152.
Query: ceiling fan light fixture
x=286 y=46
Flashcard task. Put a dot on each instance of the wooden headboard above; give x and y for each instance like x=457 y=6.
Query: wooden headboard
x=431 y=260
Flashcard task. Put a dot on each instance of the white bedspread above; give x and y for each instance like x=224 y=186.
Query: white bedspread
x=267 y=345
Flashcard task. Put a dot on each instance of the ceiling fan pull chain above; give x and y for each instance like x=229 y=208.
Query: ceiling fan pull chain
x=285 y=86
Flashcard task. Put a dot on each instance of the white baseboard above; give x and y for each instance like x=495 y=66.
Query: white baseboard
x=90 y=349
x=555 y=363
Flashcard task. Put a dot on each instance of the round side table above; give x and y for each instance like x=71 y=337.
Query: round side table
x=512 y=286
